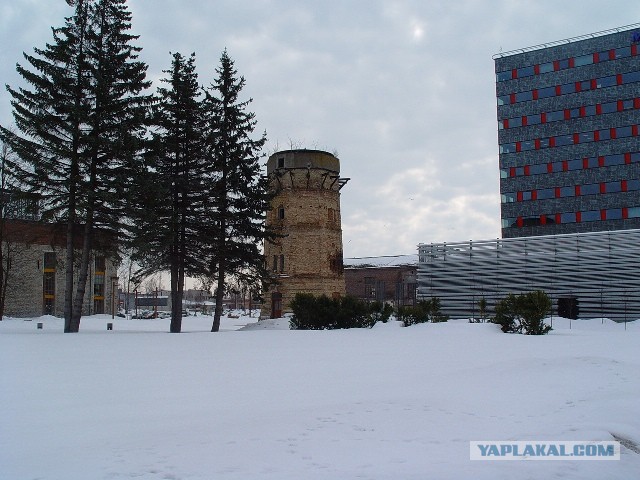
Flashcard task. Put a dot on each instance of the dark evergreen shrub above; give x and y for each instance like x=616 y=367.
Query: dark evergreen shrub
x=524 y=313
x=381 y=312
x=324 y=313
x=424 y=311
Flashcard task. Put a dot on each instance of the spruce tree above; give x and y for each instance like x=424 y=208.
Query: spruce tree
x=168 y=227
x=80 y=127
x=240 y=193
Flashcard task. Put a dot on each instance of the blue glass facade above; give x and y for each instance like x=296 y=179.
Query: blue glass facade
x=568 y=134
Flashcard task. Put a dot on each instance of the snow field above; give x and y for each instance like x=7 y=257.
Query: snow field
x=266 y=402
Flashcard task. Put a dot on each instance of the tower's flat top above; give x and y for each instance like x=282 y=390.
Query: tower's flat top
x=302 y=158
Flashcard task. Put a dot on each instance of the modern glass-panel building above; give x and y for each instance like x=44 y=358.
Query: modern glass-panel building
x=596 y=271
x=568 y=134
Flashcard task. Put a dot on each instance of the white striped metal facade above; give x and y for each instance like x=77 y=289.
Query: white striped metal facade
x=600 y=269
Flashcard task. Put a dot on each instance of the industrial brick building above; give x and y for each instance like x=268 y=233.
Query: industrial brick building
x=569 y=145
x=36 y=277
x=388 y=279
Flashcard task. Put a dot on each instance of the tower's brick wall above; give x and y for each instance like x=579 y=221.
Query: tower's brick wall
x=306 y=211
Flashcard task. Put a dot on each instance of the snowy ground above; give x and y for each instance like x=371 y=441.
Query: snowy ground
x=268 y=403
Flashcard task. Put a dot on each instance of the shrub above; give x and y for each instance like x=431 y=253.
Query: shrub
x=324 y=313
x=524 y=313
x=424 y=311
x=312 y=313
x=381 y=312
x=482 y=307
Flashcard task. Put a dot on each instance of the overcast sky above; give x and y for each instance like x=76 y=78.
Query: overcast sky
x=403 y=91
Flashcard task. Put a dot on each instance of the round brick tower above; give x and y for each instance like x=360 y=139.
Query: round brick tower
x=306 y=210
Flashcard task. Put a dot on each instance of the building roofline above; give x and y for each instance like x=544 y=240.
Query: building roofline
x=568 y=40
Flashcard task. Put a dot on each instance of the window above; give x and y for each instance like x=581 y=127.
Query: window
x=502 y=76
x=614 y=214
x=275 y=263
x=590 y=216
x=282 y=263
x=562 y=140
x=613 y=187
x=627 y=104
x=633 y=185
x=546 y=67
x=604 y=134
x=604 y=82
x=569 y=191
x=281 y=162
x=369 y=287
x=586 y=137
x=100 y=264
x=527 y=145
x=631 y=77
x=508 y=197
x=611 y=160
x=280 y=212
x=534 y=119
x=508 y=222
x=526 y=71
x=583 y=60
x=49 y=261
x=575 y=164
x=545 y=193
x=567 y=88
x=590 y=189
x=507 y=148
x=633 y=212
x=568 y=217
x=49 y=283
x=515 y=122
x=547 y=92
x=98 y=285
x=524 y=96
x=538 y=169
x=555 y=116
x=622 y=132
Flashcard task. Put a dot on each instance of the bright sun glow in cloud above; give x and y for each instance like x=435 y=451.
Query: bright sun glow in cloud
x=417 y=30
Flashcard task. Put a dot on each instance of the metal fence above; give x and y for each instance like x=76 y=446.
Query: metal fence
x=600 y=269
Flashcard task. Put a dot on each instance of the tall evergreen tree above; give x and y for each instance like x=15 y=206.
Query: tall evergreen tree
x=81 y=124
x=240 y=196
x=168 y=228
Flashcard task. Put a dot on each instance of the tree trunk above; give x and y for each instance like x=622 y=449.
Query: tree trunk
x=219 y=297
x=68 y=283
x=176 y=300
x=83 y=276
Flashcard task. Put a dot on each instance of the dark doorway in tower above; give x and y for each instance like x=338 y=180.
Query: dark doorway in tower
x=276 y=305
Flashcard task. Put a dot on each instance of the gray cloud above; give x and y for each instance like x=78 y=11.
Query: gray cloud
x=403 y=90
